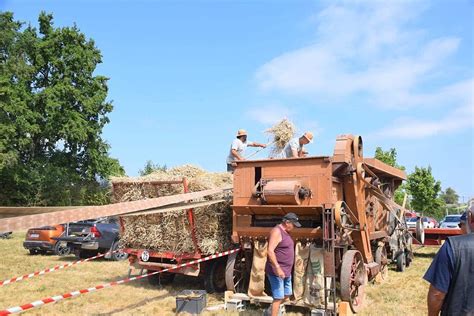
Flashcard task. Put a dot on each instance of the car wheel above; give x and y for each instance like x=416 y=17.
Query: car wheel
x=119 y=255
x=62 y=249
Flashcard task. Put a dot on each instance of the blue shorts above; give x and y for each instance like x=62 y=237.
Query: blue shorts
x=281 y=287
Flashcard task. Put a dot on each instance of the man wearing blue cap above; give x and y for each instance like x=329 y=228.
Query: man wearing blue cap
x=451 y=273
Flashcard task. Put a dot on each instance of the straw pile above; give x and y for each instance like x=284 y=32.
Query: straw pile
x=282 y=133
x=171 y=231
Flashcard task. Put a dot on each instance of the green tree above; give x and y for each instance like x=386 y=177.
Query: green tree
x=424 y=191
x=390 y=158
x=450 y=196
x=151 y=167
x=52 y=112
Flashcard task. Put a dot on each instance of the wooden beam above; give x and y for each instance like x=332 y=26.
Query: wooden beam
x=87 y=212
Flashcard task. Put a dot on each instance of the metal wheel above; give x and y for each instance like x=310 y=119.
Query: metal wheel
x=420 y=231
x=382 y=260
x=340 y=215
x=214 y=278
x=119 y=255
x=401 y=262
x=353 y=279
x=62 y=249
x=237 y=272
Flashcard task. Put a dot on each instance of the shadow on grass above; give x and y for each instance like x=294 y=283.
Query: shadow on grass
x=135 y=305
x=425 y=255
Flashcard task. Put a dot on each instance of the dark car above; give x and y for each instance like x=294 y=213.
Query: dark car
x=91 y=237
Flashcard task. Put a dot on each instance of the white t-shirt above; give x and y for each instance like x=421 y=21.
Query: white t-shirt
x=240 y=147
x=293 y=144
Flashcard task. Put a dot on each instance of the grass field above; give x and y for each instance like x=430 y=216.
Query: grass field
x=400 y=294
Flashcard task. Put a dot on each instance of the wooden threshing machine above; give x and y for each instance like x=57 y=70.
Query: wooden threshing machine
x=345 y=205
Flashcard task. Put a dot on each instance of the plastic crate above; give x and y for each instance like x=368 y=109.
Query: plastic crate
x=191 y=301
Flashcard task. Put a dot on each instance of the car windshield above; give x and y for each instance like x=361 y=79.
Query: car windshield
x=413 y=219
x=452 y=219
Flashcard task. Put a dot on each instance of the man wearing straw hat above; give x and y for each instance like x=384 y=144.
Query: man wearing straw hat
x=295 y=149
x=237 y=149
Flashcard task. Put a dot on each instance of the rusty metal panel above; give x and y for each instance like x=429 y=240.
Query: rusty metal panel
x=264 y=232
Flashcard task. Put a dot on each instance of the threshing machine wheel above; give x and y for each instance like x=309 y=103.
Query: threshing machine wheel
x=401 y=261
x=353 y=279
x=214 y=277
x=382 y=259
x=340 y=215
x=420 y=231
x=358 y=146
x=237 y=272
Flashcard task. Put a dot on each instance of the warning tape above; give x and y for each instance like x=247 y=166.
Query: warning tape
x=64 y=266
x=57 y=298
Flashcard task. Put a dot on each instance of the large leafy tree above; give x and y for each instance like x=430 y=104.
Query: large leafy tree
x=53 y=108
x=450 y=196
x=425 y=192
x=390 y=158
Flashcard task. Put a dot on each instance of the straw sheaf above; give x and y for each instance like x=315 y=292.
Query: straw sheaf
x=171 y=231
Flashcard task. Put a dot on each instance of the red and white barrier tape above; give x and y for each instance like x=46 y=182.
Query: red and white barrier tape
x=64 y=266
x=57 y=298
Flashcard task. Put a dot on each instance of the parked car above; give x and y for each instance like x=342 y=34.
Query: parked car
x=41 y=240
x=427 y=222
x=5 y=235
x=451 y=221
x=90 y=237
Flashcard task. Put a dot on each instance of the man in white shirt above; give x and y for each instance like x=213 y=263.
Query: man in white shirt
x=237 y=149
x=295 y=148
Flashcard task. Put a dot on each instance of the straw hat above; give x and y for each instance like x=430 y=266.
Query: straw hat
x=241 y=132
x=308 y=136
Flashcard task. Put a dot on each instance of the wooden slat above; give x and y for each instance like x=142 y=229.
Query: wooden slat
x=175 y=208
x=9 y=211
x=83 y=213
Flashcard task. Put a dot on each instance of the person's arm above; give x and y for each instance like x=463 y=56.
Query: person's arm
x=254 y=144
x=439 y=275
x=301 y=152
x=435 y=301
x=274 y=240
x=236 y=155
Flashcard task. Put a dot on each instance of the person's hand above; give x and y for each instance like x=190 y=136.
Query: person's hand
x=280 y=273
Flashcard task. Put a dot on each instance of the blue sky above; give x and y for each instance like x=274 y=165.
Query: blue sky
x=185 y=76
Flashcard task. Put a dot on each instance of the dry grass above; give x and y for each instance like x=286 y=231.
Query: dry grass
x=401 y=294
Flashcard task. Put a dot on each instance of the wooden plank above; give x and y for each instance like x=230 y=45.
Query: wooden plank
x=378 y=167
x=175 y=208
x=9 y=211
x=83 y=213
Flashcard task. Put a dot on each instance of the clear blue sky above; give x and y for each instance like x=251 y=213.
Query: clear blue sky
x=185 y=75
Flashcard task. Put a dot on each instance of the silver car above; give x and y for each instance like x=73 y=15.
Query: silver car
x=451 y=221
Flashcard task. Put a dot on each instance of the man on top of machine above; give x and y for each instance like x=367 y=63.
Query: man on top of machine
x=237 y=149
x=295 y=148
